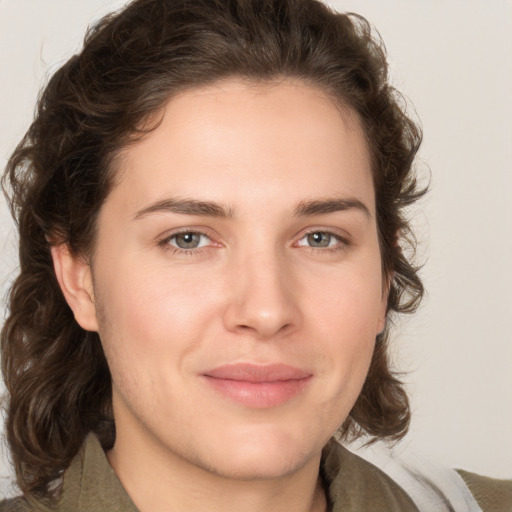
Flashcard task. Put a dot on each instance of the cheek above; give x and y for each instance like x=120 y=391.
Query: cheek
x=153 y=312
x=349 y=301
x=344 y=316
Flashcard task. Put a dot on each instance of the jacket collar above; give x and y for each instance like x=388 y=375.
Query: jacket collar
x=351 y=483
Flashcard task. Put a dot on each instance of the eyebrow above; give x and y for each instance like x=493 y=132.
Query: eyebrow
x=186 y=207
x=326 y=206
x=212 y=209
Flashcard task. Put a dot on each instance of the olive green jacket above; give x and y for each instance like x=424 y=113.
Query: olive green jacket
x=353 y=485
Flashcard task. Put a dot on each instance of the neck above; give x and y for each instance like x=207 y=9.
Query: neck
x=158 y=481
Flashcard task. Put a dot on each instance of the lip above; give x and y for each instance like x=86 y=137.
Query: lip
x=258 y=386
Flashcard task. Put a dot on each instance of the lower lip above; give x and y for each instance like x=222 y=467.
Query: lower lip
x=259 y=395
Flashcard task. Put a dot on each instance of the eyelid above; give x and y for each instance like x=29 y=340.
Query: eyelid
x=344 y=238
x=164 y=239
x=338 y=233
x=203 y=240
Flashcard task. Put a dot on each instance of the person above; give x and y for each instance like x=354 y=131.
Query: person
x=210 y=204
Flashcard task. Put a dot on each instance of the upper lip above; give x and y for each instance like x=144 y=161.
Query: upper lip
x=251 y=372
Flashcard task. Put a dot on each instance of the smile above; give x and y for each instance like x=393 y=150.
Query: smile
x=258 y=386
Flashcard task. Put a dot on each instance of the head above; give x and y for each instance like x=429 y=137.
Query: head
x=139 y=74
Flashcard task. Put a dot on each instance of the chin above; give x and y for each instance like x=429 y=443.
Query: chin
x=267 y=466
x=261 y=455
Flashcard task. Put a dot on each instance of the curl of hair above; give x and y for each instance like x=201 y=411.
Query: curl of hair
x=132 y=62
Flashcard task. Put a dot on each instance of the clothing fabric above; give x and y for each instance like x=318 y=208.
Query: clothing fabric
x=493 y=495
x=352 y=485
x=431 y=485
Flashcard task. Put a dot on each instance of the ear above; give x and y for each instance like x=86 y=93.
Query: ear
x=75 y=280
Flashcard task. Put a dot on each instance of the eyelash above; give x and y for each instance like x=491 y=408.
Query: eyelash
x=165 y=242
x=342 y=242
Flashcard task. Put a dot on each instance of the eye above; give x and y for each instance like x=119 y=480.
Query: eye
x=319 y=240
x=188 y=240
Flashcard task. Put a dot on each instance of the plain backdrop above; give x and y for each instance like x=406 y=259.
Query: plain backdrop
x=453 y=60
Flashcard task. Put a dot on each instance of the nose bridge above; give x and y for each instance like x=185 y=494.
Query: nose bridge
x=262 y=300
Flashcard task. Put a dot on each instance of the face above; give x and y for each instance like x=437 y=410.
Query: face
x=237 y=278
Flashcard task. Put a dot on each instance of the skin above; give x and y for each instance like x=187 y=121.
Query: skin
x=259 y=288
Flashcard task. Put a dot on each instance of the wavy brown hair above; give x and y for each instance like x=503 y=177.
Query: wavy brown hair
x=132 y=62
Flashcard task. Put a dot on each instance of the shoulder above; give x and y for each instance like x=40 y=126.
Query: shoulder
x=88 y=484
x=354 y=484
x=492 y=495
x=27 y=503
x=16 y=505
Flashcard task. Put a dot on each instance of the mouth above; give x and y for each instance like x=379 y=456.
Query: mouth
x=258 y=386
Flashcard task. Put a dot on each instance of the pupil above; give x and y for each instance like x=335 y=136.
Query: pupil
x=319 y=239
x=187 y=240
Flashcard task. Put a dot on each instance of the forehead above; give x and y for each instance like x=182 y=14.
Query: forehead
x=285 y=140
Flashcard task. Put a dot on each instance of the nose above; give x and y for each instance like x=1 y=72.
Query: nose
x=263 y=298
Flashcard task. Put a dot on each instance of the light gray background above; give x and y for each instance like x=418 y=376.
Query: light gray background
x=453 y=59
